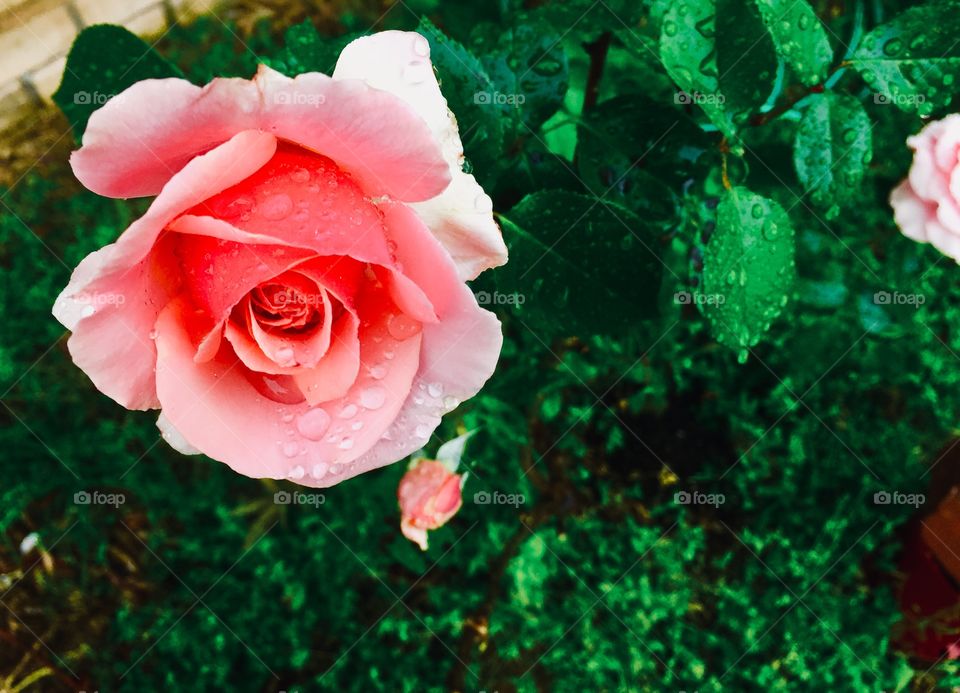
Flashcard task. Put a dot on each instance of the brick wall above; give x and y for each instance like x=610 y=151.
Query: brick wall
x=35 y=36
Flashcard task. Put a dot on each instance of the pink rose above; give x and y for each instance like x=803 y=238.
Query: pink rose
x=429 y=496
x=294 y=298
x=926 y=206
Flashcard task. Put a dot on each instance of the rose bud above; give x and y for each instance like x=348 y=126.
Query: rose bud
x=429 y=496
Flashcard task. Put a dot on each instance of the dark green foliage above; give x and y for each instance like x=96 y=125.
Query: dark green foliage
x=105 y=60
x=551 y=235
x=623 y=203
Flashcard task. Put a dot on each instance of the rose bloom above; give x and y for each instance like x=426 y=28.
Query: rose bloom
x=294 y=299
x=429 y=496
x=926 y=206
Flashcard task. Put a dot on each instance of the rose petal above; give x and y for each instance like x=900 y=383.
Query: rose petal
x=129 y=285
x=458 y=355
x=910 y=212
x=462 y=215
x=217 y=409
x=141 y=137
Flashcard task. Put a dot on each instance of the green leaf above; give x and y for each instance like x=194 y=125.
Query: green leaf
x=464 y=81
x=832 y=148
x=748 y=268
x=634 y=151
x=583 y=266
x=799 y=37
x=913 y=60
x=528 y=68
x=721 y=55
x=587 y=19
x=305 y=50
x=103 y=61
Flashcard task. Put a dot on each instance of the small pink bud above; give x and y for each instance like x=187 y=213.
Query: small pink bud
x=429 y=496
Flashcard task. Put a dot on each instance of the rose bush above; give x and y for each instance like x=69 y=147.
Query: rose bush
x=926 y=205
x=429 y=495
x=294 y=299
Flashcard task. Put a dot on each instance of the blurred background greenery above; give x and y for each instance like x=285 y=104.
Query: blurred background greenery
x=600 y=577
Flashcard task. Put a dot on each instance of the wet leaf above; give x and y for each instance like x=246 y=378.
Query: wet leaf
x=913 y=61
x=832 y=149
x=721 y=55
x=749 y=268
x=799 y=37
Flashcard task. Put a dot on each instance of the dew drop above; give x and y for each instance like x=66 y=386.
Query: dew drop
x=290 y=449
x=346 y=444
x=422 y=431
x=373 y=397
x=296 y=473
x=300 y=175
x=401 y=326
x=313 y=424
x=435 y=389
x=421 y=46
x=88 y=311
x=319 y=470
x=378 y=371
x=285 y=355
x=349 y=411
x=276 y=207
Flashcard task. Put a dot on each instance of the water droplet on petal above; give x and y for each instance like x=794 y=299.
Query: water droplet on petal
x=319 y=470
x=277 y=207
x=422 y=431
x=421 y=46
x=296 y=473
x=300 y=175
x=285 y=356
x=373 y=397
x=290 y=449
x=401 y=326
x=349 y=411
x=435 y=389
x=346 y=444
x=88 y=311
x=378 y=372
x=313 y=424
